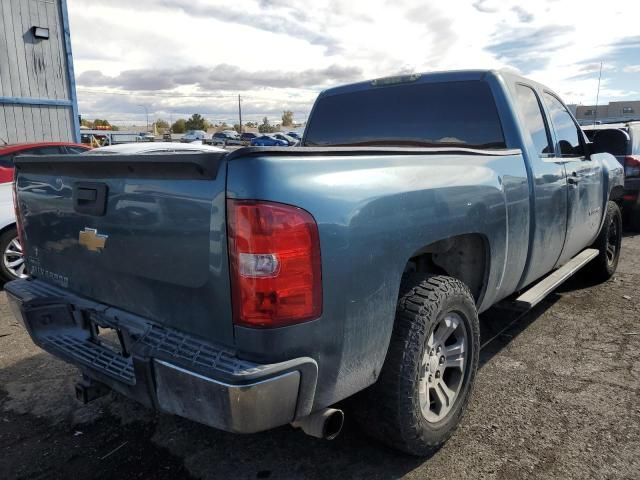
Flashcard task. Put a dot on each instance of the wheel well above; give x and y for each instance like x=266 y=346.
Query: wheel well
x=464 y=257
x=617 y=193
x=7 y=227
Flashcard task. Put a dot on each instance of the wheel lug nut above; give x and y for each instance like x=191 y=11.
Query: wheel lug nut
x=439 y=348
x=438 y=374
x=442 y=360
x=430 y=379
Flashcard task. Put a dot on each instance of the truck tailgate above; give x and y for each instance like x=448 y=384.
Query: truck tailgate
x=144 y=233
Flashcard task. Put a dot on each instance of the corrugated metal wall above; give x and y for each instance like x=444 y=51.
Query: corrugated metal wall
x=34 y=70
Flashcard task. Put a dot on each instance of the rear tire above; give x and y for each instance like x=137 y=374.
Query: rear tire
x=427 y=378
x=608 y=243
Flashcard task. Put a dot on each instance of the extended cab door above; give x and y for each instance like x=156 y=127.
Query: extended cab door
x=547 y=181
x=584 y=179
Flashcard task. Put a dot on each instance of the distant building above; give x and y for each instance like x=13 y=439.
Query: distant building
x=37 y=85
x=613 y=112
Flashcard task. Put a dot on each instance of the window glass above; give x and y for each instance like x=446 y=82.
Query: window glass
x=6 y=160
x=529 y=107
x=42 y=151
x=458 y=114
x=565 y=128
x=75 y=150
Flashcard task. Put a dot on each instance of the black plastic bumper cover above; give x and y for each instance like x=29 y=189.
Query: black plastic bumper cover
x=161 y=367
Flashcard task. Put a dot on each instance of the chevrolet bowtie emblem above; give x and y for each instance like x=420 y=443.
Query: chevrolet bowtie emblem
x=92 y=240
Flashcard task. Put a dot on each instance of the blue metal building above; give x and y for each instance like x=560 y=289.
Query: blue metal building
x=37 y=85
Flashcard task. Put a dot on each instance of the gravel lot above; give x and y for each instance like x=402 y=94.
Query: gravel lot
x=557 y=396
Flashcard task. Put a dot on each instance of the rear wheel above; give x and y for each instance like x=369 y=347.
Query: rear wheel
x=608 y=243
x=427 y=378
x=12 y=265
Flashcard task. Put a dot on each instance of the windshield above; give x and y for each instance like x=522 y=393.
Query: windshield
x=459 y=114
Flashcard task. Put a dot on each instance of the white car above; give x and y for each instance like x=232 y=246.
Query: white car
x=193 y=135
x=12 y=265
x=144 y=148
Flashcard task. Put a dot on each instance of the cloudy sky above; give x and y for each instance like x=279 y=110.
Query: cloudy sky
x=177 y=57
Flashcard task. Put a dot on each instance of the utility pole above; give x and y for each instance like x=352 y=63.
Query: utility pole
x=240 y=113
x=595 y=116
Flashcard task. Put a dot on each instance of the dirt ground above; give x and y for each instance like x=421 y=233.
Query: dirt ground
x=557 y=397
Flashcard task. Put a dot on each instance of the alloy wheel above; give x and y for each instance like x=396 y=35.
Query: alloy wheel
x=13 y=259
x=443 y=367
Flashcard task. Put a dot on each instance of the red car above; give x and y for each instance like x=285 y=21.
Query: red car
x=7 y=152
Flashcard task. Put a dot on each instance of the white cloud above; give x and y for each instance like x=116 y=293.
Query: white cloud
x=293 y=45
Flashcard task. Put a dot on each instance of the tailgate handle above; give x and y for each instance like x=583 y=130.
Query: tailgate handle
x=90 y=198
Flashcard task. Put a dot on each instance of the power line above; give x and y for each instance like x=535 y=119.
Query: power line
x=171 y=95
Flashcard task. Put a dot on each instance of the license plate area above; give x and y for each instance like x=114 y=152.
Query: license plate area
x=110 y=338
x=107 y=335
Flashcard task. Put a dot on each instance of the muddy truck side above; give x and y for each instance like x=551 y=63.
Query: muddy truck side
x=257 y=288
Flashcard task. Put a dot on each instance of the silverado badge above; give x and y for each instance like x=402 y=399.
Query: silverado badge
x=90 y=238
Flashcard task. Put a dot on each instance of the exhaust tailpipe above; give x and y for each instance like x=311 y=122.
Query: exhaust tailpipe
x=326 y=423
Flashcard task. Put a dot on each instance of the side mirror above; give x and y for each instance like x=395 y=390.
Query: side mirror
x=610 y=140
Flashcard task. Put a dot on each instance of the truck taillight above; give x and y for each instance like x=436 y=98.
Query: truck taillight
x=274 y=252
x=16 y=209
x=632 y=166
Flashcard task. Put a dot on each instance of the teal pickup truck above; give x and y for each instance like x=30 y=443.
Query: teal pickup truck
x=257 y=288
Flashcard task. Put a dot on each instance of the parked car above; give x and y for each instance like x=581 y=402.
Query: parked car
x=623 y=141
x=146 y=137
x=193 y=136
x=9 y=152
x=356 y=267
x=225 y=138
x=295 y=135
x=246 y=137
x=268 y=140
x=166 y=137
x=282 y=136
x=160 y=148
x=12 y=265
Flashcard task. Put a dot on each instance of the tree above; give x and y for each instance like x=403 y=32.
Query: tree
x=162 y=124
x=179 y=126
x=266 y=127
x=287 y=118
x=196 y=122
x=236 y=127
x=101 y=123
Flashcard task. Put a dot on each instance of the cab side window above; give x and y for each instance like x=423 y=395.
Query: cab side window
x=566 y=129
x=530 y=108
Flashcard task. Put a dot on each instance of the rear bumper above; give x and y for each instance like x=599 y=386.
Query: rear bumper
x=164 y=368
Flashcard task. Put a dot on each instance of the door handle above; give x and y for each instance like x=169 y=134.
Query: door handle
x=572 y=181
x=90 y=198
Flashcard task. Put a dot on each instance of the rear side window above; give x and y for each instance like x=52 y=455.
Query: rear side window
x=566 y=129
x=529 y=107
x=75 y=150
x=459 y=114
x=42 y=151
